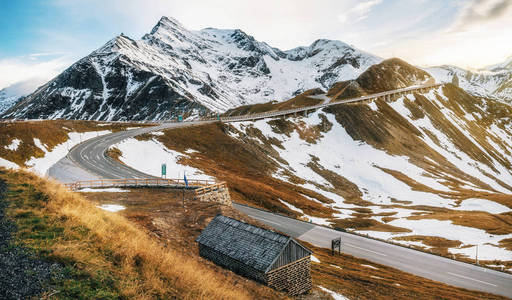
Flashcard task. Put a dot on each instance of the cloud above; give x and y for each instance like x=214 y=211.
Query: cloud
x=359 y=12
x=479 y=11
x=21 y=69
x=35 y=56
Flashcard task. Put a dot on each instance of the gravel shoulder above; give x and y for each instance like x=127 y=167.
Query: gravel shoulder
x=22 y=276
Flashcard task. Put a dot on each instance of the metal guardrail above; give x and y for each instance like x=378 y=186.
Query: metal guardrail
x=269 y=114
x=323 y=105
x=134 y=182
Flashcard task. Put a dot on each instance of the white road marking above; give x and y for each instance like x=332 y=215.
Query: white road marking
x=462 y=276
x=363 y=249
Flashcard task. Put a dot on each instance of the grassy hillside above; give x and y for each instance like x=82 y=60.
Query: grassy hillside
x=338 y=166
x=301 y=100
x=103 y=255
x=161 y=212
x=389 y=75
x=50 y=133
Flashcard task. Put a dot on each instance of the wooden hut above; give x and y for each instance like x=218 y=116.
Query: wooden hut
x=263 y=255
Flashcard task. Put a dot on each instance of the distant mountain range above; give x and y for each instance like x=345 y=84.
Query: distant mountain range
x=173 y=70
x=12 y=94
x=492 y=82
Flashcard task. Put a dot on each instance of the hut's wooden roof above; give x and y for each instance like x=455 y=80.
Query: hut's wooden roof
x=246 y=243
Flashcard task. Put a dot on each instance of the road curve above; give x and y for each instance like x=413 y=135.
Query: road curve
x=91 y=156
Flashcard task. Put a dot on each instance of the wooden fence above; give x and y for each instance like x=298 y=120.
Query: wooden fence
x=211 y=188
x=135 y=182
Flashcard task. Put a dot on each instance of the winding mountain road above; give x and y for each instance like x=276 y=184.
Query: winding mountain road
x=91 y=157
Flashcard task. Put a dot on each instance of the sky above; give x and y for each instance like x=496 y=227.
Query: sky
x=39 y=39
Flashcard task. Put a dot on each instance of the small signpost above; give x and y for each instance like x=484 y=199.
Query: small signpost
x=180 y=118
x=336 y=244
x=164 y=170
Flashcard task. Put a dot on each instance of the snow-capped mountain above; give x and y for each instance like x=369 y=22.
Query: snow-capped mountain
x=7 y=100
x=12 y=94
x=491 y=82
x=173 y=69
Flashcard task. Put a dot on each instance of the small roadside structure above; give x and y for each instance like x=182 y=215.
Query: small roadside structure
x=257 y=253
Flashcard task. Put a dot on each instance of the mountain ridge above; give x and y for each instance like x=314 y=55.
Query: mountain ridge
x=172 y=70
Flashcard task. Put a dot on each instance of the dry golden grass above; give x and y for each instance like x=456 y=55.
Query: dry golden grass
x=301 y=100
x=165 y=218
x=493 y=224
x=110 y=242
x=348 y=276
x=51 y=133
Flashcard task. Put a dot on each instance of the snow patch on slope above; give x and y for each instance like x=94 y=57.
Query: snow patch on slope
x=41 y=165
x=148 y=156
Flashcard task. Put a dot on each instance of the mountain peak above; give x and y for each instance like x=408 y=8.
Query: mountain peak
x=506 y=65
x=166 y=24
x=329 y=43
x=114 y=45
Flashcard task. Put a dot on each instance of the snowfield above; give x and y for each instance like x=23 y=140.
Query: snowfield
x=358 y=162
x=112 y=207
x=8 y=164
x=148 y=157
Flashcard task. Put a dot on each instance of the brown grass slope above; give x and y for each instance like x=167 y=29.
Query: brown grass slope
x=50 y=133
x=301 y=100
x=248 y=161
x=390 y=74
x=160 y=211
x=98 y=242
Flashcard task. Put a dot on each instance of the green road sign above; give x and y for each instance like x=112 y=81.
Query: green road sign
x=164 y=169
x=180 y=118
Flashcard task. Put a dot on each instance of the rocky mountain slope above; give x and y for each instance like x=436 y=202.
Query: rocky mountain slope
x=173 y=69
x=431 y=170
x=492 y=82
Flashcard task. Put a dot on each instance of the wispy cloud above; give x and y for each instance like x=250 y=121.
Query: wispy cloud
x=359 y=12
x=14 y=70
x=35 y=56
x=478 y=11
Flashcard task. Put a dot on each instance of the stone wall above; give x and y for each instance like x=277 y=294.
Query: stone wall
x=219 y=195
x=294 y=278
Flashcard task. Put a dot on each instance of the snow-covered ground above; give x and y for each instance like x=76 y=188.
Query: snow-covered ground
x=13 y=146
x=148 y=157
x=112 y=207
x=43 y=164
x=334 y=295
x=8 y=164
x=357 y=161
x=482 y=205
x=103 y=190
x=488 y=243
